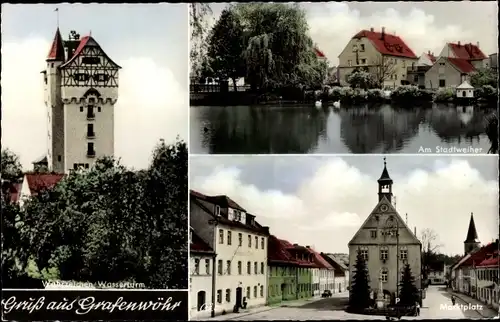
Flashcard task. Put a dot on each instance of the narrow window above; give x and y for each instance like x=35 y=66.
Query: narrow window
x=90 y=130
x=59 y=158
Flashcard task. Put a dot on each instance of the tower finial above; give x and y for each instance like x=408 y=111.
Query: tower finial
x=385 y=163
x=57 y=15
x=90 y=32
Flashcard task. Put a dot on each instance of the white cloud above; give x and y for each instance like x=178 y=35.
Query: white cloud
x=327 y=209
x=151 y=104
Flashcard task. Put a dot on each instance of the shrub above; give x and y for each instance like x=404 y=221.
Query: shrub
x=486 y=92
x=443 y=95
x=375 y=95
x=410 y=93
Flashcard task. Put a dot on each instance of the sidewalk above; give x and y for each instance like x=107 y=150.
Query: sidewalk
x=258 y=309
x=486 y=312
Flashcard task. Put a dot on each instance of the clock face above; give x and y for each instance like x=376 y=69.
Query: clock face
x=384 y=208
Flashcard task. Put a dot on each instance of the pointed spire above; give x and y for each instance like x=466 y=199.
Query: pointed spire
x=385 y=178
x=471 y=233
x=57 y=49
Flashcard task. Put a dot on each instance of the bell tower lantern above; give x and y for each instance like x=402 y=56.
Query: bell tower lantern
x=385 y=184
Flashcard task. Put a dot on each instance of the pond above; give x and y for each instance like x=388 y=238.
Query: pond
x=349 y=129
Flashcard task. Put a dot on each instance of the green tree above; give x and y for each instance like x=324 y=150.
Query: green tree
x=113 y=224
x=225 y=47
x=12 y=170
x=278 y=50
x=491 y=130
x=484 y=77
x=408 y=292
x=198 y=22
x=361 y=79
x=359 y=297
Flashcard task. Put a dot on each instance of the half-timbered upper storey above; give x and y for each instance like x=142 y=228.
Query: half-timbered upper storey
x=89 y=66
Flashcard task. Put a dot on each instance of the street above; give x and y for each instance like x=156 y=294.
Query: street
x=333 y=309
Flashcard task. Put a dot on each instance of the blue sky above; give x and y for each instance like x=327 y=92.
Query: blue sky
x=150 y=42
x=322 y=200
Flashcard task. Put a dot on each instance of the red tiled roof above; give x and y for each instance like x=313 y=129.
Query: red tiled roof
x=319 y=53
x=462 y=65
x=81 y=45
x=481 y=254
x=432 y=58
x=57 y=49
x=494 y=261
x=387 y=44
x=319 y=260
x=277 y=252
x=198 y=244
x=467 y=51
x=40 y=181
x=299 y=250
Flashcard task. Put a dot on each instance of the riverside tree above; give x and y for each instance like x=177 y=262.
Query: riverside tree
x=408 y=292
x=112 y=224
x=276 y=48
x=226 y=45
x=359 y=297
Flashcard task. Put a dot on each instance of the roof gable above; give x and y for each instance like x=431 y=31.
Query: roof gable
x=380 y=219
x=41 y=181
x=85 y=42
x=467 y=51
x=320 y=261
x=387 y=44
x=277 y=252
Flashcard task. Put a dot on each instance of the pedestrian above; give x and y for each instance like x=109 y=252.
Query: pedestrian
x=453 y=299
x=417 y=308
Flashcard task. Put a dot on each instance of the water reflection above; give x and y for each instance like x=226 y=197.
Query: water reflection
x=353 y=129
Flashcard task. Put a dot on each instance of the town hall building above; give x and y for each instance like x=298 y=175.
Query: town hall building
x=81 y=90
x=386 y=244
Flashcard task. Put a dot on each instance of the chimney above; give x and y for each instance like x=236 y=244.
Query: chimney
x=429 y=52
x=415 y=230
x=477 y=44
x=308 y=246
x=295 y=245
x=371 y=29
x=458 y=43
x=383 y=33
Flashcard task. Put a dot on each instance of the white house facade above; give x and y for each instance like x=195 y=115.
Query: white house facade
x=340 y=273
x=201 y=281
x=241 y=247
x=315 y=278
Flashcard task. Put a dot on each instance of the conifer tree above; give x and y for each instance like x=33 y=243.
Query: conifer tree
x=359 y=297
x=408 y=292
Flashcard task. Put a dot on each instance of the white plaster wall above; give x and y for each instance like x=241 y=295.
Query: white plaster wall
x=244 y=254
x=200 y=282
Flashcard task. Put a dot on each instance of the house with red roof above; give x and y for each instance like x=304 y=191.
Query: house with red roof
x=240 y=244
x=341 y=272
x=416 y=72
x=34 y=183
x=201 y=276
x=386 y=56
x=455 y=64
x=324 y=276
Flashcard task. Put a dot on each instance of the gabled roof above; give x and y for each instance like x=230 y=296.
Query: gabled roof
x=85 y=41
x=387 y=44
x=41 y=181
x=335 y=262
x=492 y=261
x=56 y=51
x=295 y=248
x=257 y=228
x=319 y=260
x=42 y=159
x=277 y=252
x=198 y=245
x=463 y=65
x=390 y=210
x=465 y=85
x=431 y=57
x=467 y=51
x=220 y=200
x=480 y=255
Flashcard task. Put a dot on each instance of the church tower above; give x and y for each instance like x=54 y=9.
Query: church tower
x=81 y=89
x=385 y=184
x=471 y=243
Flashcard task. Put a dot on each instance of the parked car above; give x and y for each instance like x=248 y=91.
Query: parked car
x=326 y=293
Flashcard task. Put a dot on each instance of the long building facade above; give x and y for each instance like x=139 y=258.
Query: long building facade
x=240 y=244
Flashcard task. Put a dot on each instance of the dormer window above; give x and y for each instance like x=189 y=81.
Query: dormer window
x=217 y=210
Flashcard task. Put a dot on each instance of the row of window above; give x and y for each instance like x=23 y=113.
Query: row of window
x=229 y=236
x=248 y=295
x=384 y=254
x=488 y=275
x=240 y=268
x=197 y=267
x=77 y=166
